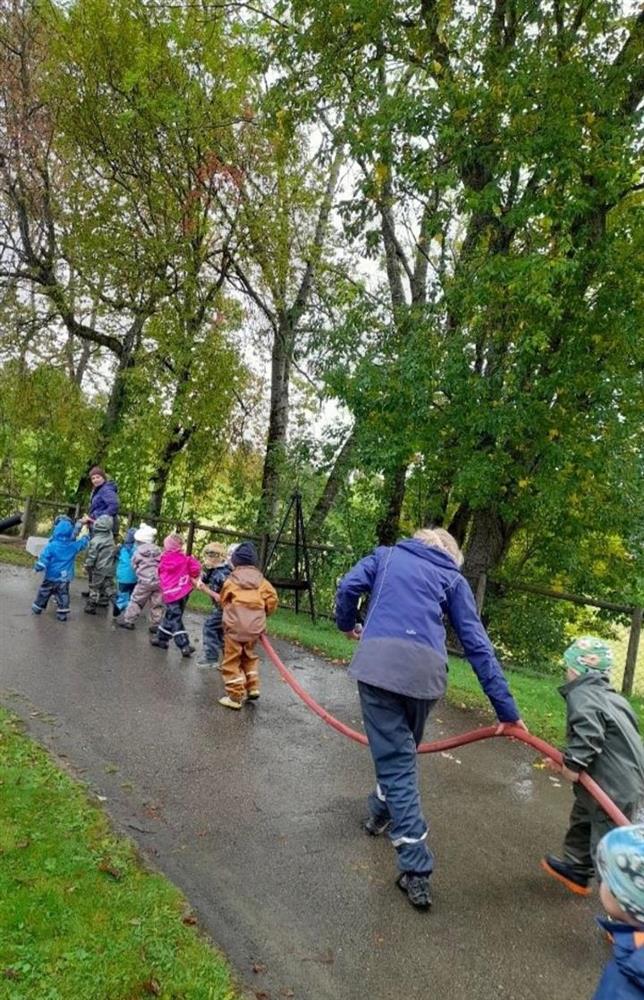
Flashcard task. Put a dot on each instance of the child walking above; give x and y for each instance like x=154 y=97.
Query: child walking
x=246 y=599
x=100 y=564
x=56 y=561
x=603 y=741
x=145 y=563
x=178 y=574
x=620 y=863
x=217 y=569
x=125 y=573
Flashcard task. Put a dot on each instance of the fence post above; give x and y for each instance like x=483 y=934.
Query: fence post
x=631 y=653
x=26 y=517
x=190 y=538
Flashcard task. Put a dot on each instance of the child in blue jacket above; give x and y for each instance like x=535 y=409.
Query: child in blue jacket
x=125 y=574
x=56 y=561
x=620 y=861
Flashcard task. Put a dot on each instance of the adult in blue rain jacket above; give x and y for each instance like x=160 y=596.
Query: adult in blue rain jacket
x=104 y=498
x=401 y=668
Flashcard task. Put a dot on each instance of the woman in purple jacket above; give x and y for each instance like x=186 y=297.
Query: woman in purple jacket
x=104 y=498
x=401 y=669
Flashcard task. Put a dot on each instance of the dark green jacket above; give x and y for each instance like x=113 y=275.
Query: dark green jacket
x=603 y=738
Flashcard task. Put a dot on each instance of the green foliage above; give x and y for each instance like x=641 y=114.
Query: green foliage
x=80 y=917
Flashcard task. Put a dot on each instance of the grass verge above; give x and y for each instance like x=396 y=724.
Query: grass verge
x=79 y=916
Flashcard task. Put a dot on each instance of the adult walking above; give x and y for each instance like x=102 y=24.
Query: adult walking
x=104 y=498
x=401 y=669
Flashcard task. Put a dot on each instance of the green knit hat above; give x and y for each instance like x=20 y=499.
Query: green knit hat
x=589 y=653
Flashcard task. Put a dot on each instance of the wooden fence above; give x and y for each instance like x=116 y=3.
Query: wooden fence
x=29 y=505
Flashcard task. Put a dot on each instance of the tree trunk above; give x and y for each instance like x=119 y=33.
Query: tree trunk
x=174 y=446
x=277 y=426
x=487 y=543
x=460 y=522
x=335 y=481
x=388 y=528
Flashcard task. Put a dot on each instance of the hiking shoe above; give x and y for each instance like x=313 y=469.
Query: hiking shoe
x=84 y=593
x=90 y=609
x=128 y=625
x=253 y=695
x=229 y=702
x=158 y=643
x=153 y=629
x=35 y=610
x=375 y=827
x=417 y=888
x=187 y=651
x=567 y=874
x=116 y=611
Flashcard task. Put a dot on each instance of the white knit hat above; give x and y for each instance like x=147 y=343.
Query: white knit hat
x=145 y=533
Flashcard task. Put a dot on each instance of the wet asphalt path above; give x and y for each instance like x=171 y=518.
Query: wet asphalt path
x=255 y=815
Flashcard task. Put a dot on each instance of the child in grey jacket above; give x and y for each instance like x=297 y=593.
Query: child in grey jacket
x=603 y=741
x=100 y=565
x=145 y=562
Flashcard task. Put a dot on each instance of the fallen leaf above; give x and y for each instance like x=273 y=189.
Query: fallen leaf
x=287 y=993
x=110 y=869
x=258 y=967
x=189 y=919
x=262 y=995
x=11 y=974
x=23 y=843
x=324 y=958
x=152 y=986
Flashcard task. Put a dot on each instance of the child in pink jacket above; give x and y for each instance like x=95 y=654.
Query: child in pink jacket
x=178 y=574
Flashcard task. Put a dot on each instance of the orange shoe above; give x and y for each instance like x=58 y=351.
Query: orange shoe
x=566 y=874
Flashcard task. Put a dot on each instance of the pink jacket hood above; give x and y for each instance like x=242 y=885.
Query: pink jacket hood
x=175 y=571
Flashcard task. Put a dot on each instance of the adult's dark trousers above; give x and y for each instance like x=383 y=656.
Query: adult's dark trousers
x=172 y=626
x=59 y=590
x=394 y=725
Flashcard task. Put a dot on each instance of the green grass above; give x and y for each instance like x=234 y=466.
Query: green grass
x=15 y=556
x=79 y=916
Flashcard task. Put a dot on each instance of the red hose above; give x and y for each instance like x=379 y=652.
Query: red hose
x=485 y=733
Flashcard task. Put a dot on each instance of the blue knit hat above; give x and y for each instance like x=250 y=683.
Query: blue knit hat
x=245 y=555
x=620 y=862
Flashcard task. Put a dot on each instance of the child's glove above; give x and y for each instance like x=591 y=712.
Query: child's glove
x=39 y=567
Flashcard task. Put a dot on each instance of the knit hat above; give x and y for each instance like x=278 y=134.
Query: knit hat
x=129 y=537
x=589 y=653
x=97 y=471
x=145 y=534
x=245 y=555
x=620 y=861
x=173 y=543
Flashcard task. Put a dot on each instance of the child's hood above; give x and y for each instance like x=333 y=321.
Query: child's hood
x=63 y=531
x=103 y=523
x=174 y=560
x=247 y=577
x=629 y=958
x=148 y=550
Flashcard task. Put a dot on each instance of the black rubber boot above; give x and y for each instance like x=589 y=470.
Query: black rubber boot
x=417 y=888
x=375 y=827
x=153 y=629
x=187 y=651
x=90 y=608
x=158 y=643
x=566 y=873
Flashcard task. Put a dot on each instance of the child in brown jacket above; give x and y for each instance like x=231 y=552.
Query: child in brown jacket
x=246 y=599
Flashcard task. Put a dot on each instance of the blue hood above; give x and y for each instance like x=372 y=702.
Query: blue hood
x=63 y=531
x=623 y=977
